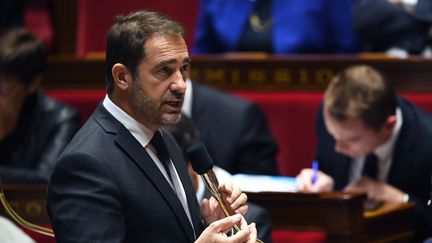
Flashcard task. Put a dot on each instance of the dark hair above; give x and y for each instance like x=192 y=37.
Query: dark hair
x=22 y=55
x=361 y=92
x=184 y=132
x=128 y=35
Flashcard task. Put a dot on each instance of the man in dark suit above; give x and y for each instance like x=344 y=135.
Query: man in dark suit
x=372 y=141
x=399 y=27
x=186 y=135
x=122 y=179
x=235 y=131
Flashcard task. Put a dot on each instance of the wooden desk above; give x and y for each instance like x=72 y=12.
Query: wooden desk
x=340 y=215
x=29 y=201
x=253 y=72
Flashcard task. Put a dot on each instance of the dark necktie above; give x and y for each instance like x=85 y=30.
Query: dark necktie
x=162 y=151
x=370 y=167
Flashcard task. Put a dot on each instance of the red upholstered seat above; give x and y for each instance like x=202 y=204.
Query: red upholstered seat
x=39 y=238
x=85 y=101
x=92 y=28
x=291 y=116
x=291 y=236
x=37 y=18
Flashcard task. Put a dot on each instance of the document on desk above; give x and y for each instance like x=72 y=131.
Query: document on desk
x=264 y=183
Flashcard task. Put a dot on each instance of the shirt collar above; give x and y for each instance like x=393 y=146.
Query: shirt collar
x=139 y=131
x=187 y=102
x=384 y=151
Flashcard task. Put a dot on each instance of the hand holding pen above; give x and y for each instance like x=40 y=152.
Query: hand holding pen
x=314 y=180
x=315 y=170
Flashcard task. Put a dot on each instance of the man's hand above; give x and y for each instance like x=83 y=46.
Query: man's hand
x=324 y=182
x=376 y=190
x=217 y=231
x=234 y=198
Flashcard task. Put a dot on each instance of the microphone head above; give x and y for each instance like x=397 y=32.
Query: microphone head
x=199 y=158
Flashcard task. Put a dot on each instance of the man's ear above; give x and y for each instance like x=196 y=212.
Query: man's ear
x=391 y=122
x=122 y=76
x=34 y=84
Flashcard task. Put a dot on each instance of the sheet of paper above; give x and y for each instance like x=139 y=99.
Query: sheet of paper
x=263 y=183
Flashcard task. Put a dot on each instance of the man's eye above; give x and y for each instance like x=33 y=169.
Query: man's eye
x=165 y=70
x=185 y=68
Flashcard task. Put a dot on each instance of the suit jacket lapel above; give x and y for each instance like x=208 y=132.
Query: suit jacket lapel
x=140 y=157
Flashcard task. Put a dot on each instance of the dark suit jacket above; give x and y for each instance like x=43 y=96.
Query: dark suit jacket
x=235 y=132
x=106 y=188
x=383 y=25
x=45 y=127
x=411 y=168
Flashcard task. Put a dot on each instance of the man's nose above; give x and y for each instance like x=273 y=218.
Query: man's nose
x=179 y=83
x=340 y=147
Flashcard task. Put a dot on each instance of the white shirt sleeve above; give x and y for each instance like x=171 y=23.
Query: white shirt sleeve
x=10 y=233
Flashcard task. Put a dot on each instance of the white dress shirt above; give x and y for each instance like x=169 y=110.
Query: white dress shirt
x=384 y=153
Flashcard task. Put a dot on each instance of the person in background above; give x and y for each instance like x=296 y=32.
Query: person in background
x=275 y=26
x=186 y=135
x=235 y=131
x=34 y=129
x=11 y=14
x=397 y=27
x=372 y=141
x=122 y=178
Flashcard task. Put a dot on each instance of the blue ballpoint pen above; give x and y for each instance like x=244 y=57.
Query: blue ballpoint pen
x=314 y=172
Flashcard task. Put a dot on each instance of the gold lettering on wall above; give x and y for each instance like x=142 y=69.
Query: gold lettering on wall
x=33 y=208
x=323 y=75
x=214 y=75
x=282 y=76
x=194 y=74
x=235 y=76
x=303 y=76
x=257 y=76
x=224 y=75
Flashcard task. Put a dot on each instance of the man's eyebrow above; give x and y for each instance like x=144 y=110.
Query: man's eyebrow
x=172 y=61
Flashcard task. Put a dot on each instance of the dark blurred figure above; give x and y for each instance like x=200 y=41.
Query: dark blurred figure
x=398 y=27
x=34 y=129
x=11 y=13
x=275 y=26
x=235 y=131
x=185 y=134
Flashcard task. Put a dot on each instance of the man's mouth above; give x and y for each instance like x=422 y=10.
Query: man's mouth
x=174 y=104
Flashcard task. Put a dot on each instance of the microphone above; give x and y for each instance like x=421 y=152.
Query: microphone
x=202 y=164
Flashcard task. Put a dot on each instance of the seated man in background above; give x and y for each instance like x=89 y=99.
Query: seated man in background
x=371 y=140
x=34 y=129
x=398 y=27
x=235 y=131
x=185 y=134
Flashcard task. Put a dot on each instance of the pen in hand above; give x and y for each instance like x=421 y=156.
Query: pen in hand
x=314 y=172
